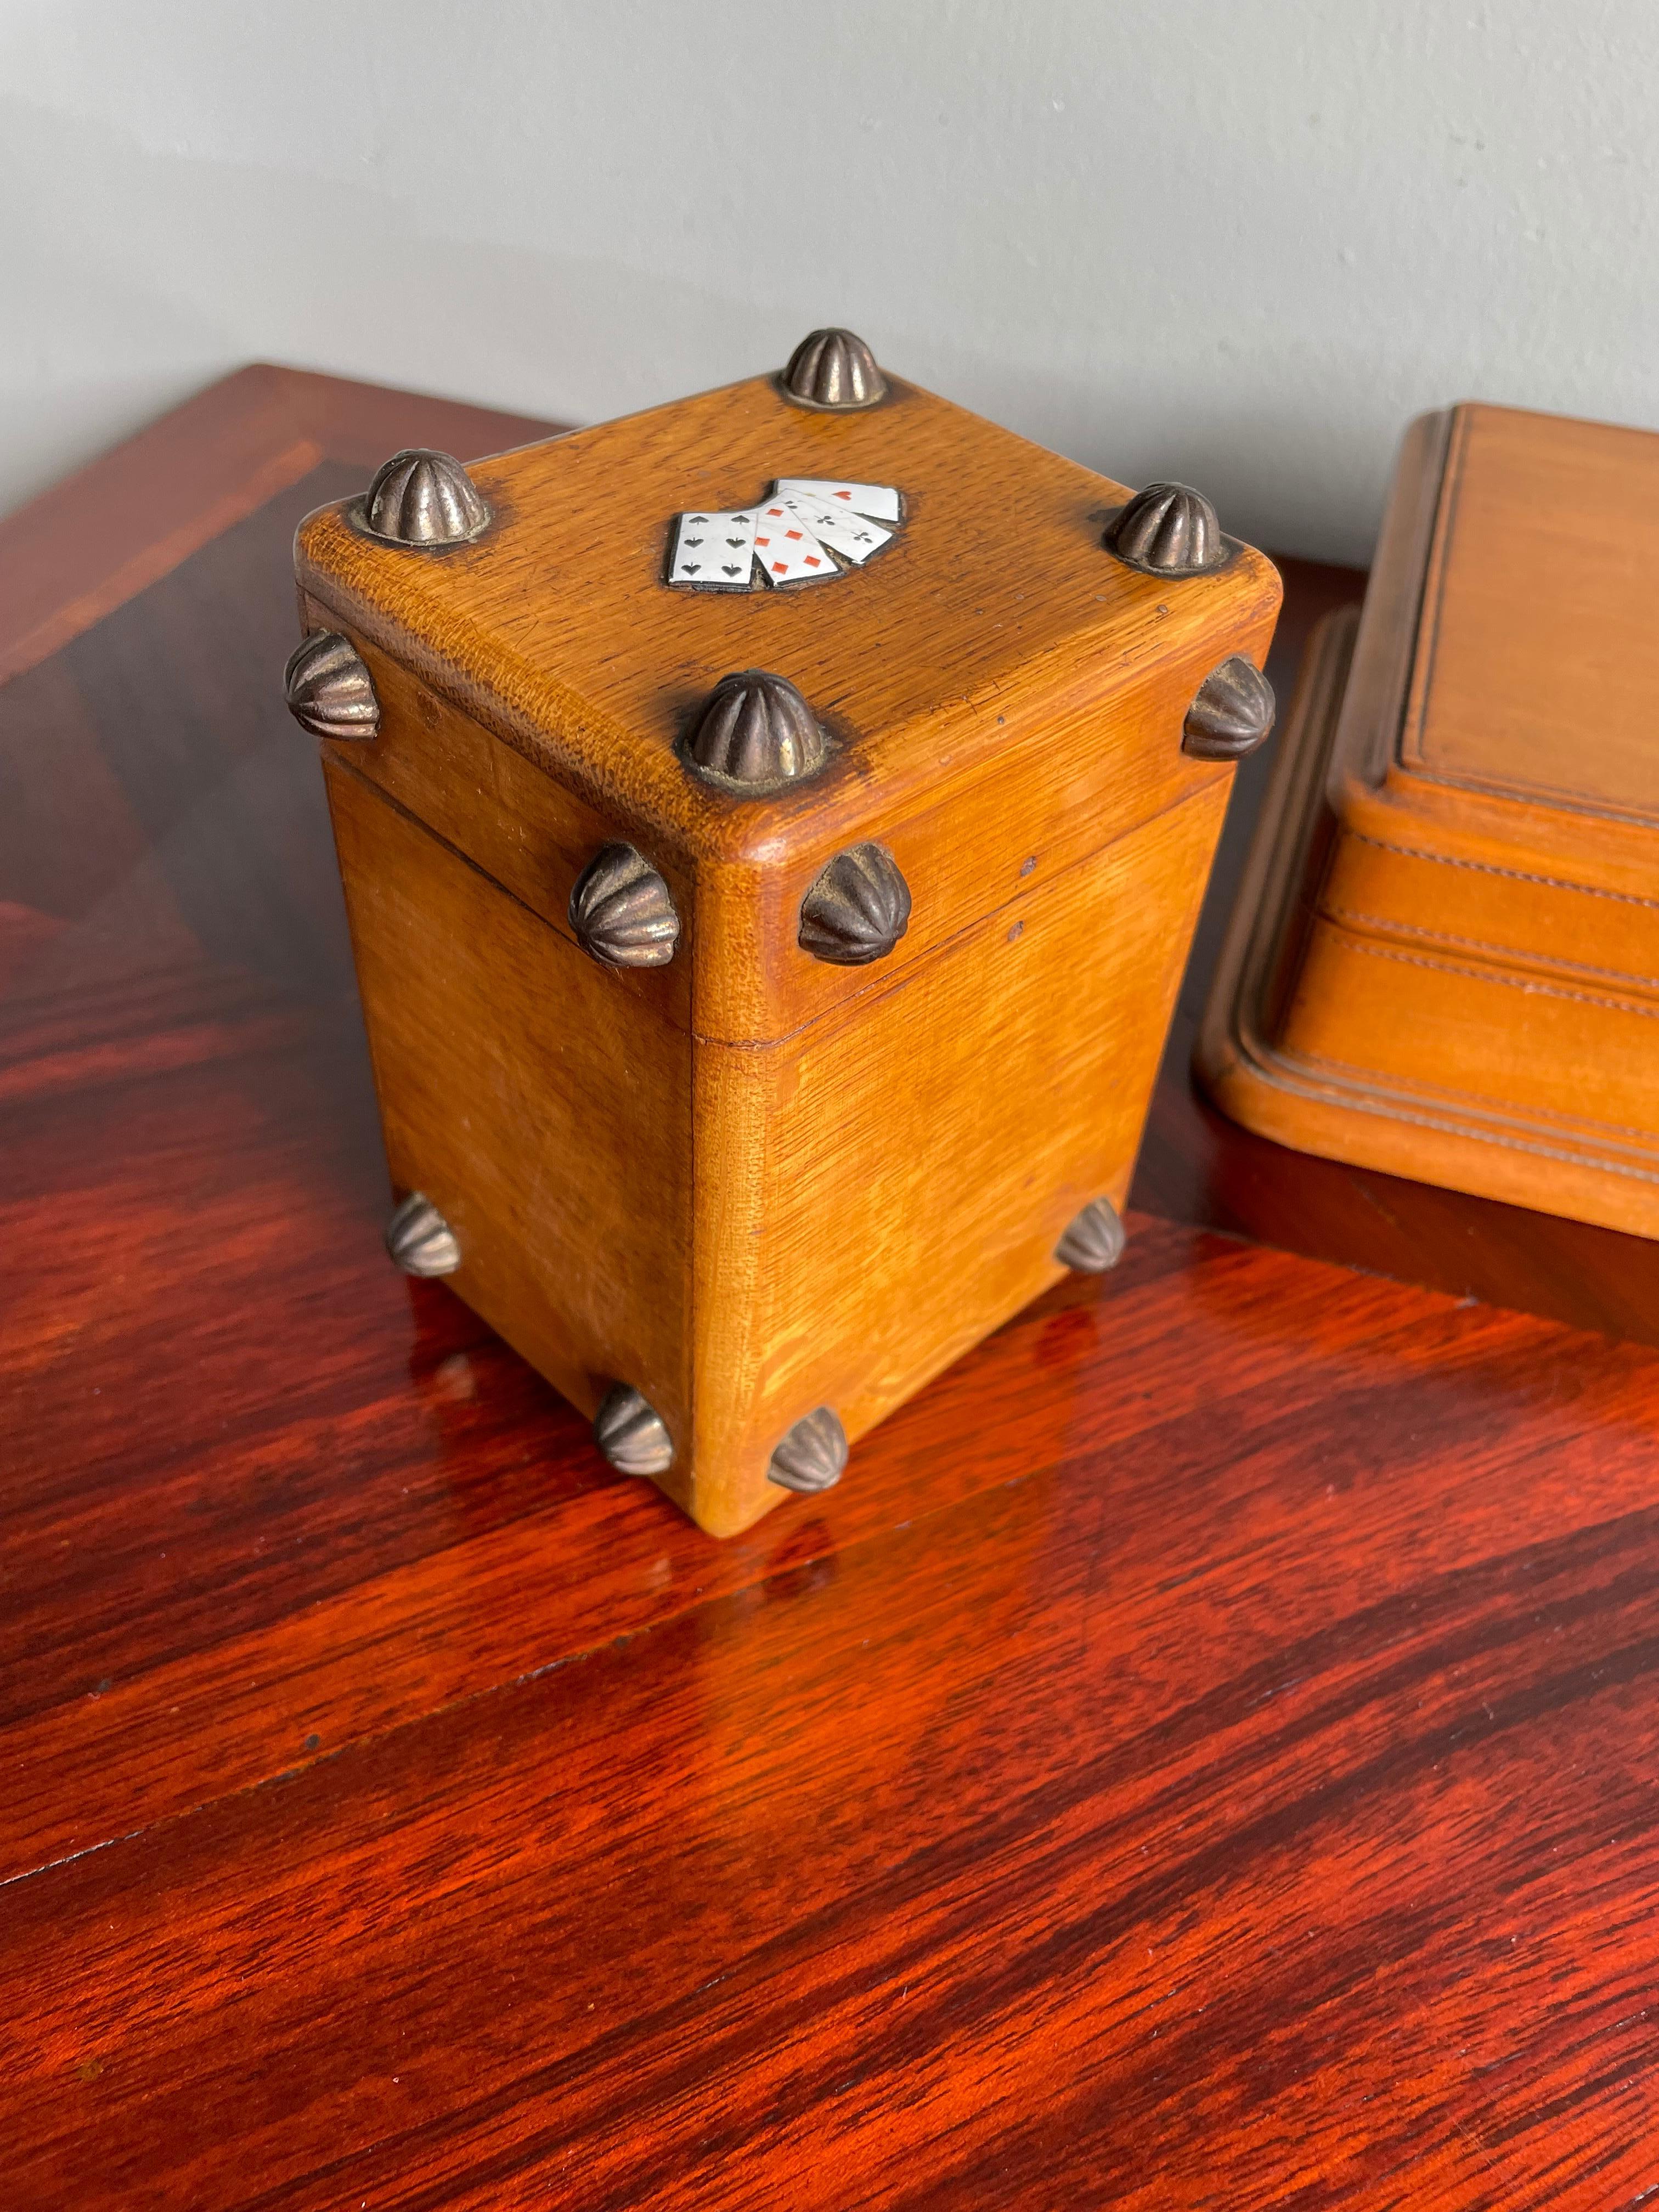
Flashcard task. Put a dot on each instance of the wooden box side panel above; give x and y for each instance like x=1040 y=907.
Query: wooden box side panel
x=973 y=842
x=967 y=844
x=520 y=826
x=546 y=1113
x=879 y=1193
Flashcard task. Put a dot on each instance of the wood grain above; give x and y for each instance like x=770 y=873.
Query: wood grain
x=547 y=1116
x=877 y=1193
x=82 y=550
x=1446 y=956
x=518 y=827
x=1200 y=1754
x=717 y=1224
x=941 y=661
x=847 y=1174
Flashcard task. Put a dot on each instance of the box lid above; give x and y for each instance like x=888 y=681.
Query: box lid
x=1534 y=650
x=1444 y=962
x=1499 y=713
x=993 y=612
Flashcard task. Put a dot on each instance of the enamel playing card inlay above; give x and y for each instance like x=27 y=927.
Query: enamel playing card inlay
x=804 y=531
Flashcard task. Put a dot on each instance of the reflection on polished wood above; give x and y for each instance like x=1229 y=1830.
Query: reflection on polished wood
x=1201 y=1753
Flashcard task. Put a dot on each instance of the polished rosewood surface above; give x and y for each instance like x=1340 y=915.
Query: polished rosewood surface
x=1205 y=1753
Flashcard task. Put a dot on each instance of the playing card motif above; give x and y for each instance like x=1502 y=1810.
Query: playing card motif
x=804 y=531
x=853 y=535
x=713 y=551
x=788 y=551
x=881 y=501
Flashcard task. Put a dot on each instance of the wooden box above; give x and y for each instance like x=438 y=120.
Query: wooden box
x=749 y=1044
x=1444 y=962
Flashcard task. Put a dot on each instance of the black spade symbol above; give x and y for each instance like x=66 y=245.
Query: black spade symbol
x=691 y=567
x=734 y=569
x=694 y=541
x=697 y=517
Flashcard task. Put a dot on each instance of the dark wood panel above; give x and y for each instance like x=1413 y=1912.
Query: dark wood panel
x=1201 y=1755
x=84 y=547
x=1122 y=1821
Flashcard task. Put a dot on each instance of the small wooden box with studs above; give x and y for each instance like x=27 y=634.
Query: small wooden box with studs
x=772 y=827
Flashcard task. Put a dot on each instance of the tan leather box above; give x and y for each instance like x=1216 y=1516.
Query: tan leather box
x=765 y=984
x=1445 y=960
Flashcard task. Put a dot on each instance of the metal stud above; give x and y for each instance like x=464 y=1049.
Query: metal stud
x=812 y=1455
x=857 y=910
x=1232 y=714
x=423 y=497
x=419 y=1240
x=330 y=690
x=622 y=912
x=756 y=733
x=1094 y=1240
x=632 y=1434
x=1168 y=530
x=836 y=371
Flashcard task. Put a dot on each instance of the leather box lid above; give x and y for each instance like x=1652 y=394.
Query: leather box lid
x=994 y=636
x=1535 y=655
x=1499 y=709
x=1445 y=958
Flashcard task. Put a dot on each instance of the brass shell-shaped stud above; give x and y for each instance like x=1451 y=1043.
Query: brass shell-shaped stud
x=422 y=497
x=857 y=910
x=756 y=731
x=632 y=1434
x=812 y=1455
x=330 y=691
x=1094 y=1239
x=1168 y=530
x=834 y=370
x=622 y=912
x=419 y=1240
x=1232 y=714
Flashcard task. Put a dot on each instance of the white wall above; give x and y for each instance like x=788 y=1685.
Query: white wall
x=1238 y=241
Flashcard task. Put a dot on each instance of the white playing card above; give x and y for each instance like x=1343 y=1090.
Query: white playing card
x=786 y=550
x=878 y=500
x=714 y=551
x=853 y=535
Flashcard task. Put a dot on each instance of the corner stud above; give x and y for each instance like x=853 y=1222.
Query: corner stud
x=857 y=910
x=631 y=1433
x=419 y=1240
x=812 y=1455
x=1168 y=530
x=1094 y=1240
x=756 y=733
x=834 y=371
x=1232 y=714
x=622 y=912
x=329 y=690
x=423 y=497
